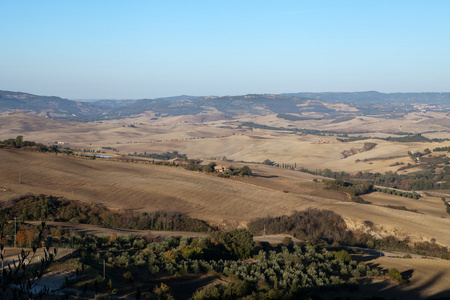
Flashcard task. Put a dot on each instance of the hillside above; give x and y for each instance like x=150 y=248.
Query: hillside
x=302 y=105
x=145 y=187
x=45 y=106
x=376 y=97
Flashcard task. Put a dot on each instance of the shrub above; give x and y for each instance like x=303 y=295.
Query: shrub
x=209 y=292
x=395 y=274
x=164 y=292
x=128 y=276
x=343 y=255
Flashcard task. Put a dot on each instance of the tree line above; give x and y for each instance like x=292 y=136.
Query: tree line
x=19 y=142
x=50 y=208
x=318 y=225
x=354 y=190
x=163 y=156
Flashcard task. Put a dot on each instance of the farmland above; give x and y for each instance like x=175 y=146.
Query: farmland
x=134 y=183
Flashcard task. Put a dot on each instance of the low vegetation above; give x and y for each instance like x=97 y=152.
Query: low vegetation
x=144 y=266
x=315 y=226
x=354 y=190
x=395 y=275
x=446 y=149
x=20 y=278
x=414 y=138
x=303 y=130
x=412 y=195
x=163 y=156
x=435 y=174
x=447 y=205
x=291 y=117
x=19 y=142
x=312 y=224
x=287 y=271
x=42 y=207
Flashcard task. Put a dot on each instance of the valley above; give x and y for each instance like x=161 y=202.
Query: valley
x=343 y=142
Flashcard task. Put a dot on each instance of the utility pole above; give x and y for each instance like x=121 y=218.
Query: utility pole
x=15 y=231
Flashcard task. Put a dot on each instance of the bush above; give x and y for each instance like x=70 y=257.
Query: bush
x=395 y=274
x=164 y=292
x=246 y=171
x=313 y=224
x=238 y=242
x=209 y=292
x=343 y=255
x=128 y=276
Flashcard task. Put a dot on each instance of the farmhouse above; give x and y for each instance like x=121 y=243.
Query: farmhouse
x=220 y=168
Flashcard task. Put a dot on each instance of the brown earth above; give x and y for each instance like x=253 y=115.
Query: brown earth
x=145 y=187
x=426 y=279
x=233 y=202
x=187 y=134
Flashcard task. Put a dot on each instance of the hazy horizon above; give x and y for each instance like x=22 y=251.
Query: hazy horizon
x=171 y=96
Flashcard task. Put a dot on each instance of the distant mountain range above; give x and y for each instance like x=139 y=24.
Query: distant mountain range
x=376 y=97
x=359 y=103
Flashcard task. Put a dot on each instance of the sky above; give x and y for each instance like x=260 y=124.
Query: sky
x=149 y=49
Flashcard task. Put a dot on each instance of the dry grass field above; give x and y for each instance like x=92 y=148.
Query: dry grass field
x=232 y=202
x=186 y=134
x=145 y=187
x=425 y=205
x=426 y=279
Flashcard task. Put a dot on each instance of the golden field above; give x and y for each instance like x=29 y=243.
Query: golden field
x=227 y=203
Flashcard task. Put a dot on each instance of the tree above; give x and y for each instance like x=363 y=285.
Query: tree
x=209 y=168
x=246 y=171
x=268 y=162
x=18 y=279
x=164 y=292
x=21 y=238
x=30 y=236
x=112 y=237
x=238 y=242
x=343 y=255
x=395 y=274
x=19 y=141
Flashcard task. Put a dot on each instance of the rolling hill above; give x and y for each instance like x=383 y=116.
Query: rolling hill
x=316 y=105
x=220 y=201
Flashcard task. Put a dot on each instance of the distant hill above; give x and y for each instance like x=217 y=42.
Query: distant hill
x=55 y=107
x=376 y=97
x=303 y=105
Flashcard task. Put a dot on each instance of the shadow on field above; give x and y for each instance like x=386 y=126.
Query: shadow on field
x=183 y=288
x=387 y=289
x=406 y=275
x=265 y=176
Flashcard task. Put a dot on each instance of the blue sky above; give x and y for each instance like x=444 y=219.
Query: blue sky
x=147 y=49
